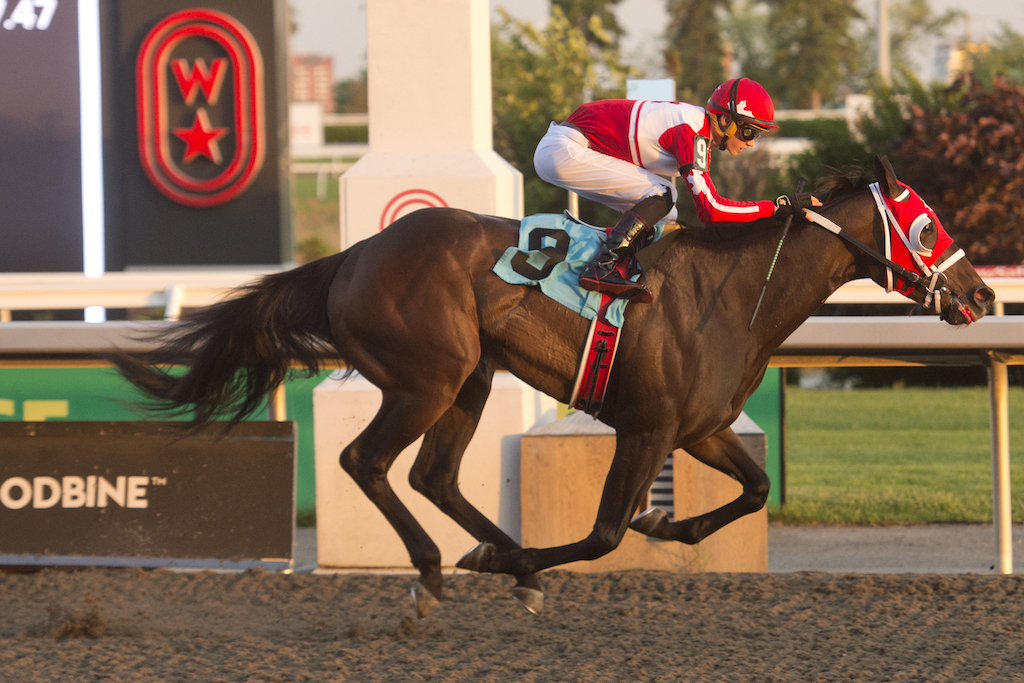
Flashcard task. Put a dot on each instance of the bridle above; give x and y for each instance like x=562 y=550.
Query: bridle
x=931 y=278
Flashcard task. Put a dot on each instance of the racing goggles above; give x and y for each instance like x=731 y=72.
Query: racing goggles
x=747 y=133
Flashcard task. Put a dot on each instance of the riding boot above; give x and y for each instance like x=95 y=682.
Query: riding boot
x=602 y=273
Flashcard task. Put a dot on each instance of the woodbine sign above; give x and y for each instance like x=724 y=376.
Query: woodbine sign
x=147 y=494
x=75 y=492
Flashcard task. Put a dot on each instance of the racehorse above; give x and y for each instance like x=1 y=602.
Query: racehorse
x=417 y=310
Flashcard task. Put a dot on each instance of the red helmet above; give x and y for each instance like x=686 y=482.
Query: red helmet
x=745 y=101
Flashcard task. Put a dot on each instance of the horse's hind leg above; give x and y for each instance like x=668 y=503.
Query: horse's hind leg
x=402 y=418
x=725 y=452
x=435 y=474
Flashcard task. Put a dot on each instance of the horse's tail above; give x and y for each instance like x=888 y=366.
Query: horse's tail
x=238 y=350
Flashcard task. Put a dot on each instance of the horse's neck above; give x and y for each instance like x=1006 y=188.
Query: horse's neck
x=818 y=262
x=823 y=257
x=812 y=263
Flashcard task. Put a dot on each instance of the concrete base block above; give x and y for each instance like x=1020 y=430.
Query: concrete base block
x=563 y=469
x=352 y=532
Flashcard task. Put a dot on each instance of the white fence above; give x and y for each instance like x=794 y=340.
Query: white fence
x=171 y=290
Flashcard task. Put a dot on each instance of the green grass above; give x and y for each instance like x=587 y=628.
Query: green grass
x=304 y=187
x=895 y=456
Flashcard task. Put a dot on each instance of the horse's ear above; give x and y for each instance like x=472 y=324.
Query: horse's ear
x=886 y=177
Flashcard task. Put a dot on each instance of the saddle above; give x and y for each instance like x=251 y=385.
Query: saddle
x=553 y=249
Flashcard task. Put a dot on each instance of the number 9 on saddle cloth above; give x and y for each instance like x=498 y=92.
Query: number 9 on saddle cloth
x=553 y=249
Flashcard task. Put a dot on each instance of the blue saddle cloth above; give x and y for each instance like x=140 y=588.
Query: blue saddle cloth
x=553 y=248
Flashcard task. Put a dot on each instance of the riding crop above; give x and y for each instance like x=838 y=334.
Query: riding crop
x=785 y=230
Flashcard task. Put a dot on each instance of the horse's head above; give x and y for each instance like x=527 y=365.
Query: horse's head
x=936 y=273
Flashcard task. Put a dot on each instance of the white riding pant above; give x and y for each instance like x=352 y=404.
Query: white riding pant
x=564 y=158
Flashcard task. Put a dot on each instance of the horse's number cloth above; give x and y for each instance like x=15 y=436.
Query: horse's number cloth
x=552 y=251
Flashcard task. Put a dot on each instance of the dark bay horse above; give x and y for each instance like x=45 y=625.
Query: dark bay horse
x=418 y=311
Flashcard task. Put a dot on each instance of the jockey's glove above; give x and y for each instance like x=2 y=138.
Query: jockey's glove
x=793 y=204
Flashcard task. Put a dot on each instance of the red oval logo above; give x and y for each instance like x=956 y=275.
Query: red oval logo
x=407 y=202
x=199 y=92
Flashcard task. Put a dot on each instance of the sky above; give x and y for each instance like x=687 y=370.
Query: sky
x=338 y=27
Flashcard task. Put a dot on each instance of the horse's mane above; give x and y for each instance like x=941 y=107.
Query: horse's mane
x=835 y=186
x=840 y=183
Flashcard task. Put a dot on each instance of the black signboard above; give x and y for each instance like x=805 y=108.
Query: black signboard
x=194 y=142
x=195 y=133
x=40 y=137
x=144 y=494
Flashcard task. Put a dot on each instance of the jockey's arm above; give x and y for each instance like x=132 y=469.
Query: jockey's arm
x=693 y=153
x=713 y=208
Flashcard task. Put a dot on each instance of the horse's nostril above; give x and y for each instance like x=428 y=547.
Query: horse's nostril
x=984 y=296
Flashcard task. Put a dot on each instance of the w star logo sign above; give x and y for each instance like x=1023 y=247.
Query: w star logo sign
x=201 y=138
x=200 y=119
x=192 y=79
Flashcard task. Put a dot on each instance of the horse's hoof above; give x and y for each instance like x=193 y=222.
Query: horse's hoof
x=477 y=559
x=423 y=599
x=648 y=520
x=530 y=598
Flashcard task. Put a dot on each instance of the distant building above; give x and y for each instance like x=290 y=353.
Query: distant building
x=312 y=80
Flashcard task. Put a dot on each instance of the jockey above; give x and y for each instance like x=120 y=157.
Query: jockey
x=618 y=153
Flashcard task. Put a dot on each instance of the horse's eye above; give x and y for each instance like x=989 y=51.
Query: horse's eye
x=928 y=236
x=923 y=235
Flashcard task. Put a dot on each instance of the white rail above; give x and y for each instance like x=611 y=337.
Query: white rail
x=171 y=290
x=1007 y=289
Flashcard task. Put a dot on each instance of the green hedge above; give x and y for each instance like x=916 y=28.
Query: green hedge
x=346 y=134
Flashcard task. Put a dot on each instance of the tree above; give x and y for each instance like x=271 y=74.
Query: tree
x=878 y=132
x=540 y=76
x=695 y=55
x=911 y=23
x=581 y=12
x=745 y=34
x=961 y=148
x=812 y=49
x=350 y=95
x=967 y=158
x=1004 y=57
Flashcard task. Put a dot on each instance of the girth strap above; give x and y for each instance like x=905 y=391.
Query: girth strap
x=596 y=363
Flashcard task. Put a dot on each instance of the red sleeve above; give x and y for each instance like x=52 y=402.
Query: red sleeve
x=713 y=208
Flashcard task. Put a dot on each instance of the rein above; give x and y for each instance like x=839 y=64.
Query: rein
x=934 y=280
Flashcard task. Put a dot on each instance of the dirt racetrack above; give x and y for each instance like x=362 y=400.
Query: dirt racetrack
x=135 y=625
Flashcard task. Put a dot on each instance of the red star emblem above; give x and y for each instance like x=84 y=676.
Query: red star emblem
x=201 y=138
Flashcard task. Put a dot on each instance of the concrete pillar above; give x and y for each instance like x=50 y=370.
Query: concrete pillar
x=429 y=80
x=352 y=533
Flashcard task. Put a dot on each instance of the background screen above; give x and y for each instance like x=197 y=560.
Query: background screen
x=40 y=137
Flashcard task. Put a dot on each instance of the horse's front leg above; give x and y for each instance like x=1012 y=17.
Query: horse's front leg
x=725 y=452
x=637 y=461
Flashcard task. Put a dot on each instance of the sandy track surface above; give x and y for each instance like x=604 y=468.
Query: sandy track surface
x=135 y=625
